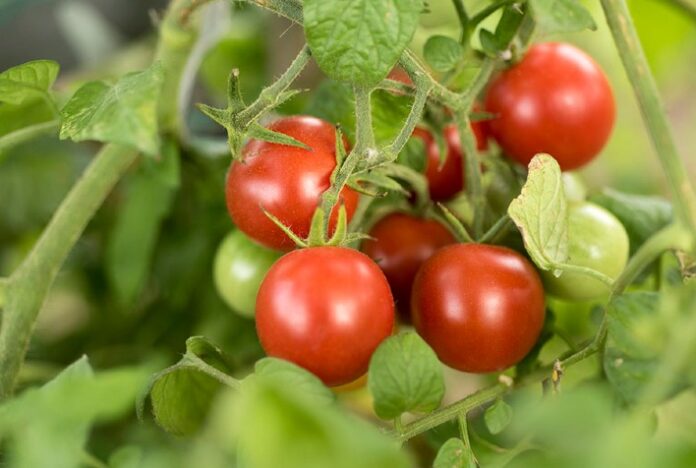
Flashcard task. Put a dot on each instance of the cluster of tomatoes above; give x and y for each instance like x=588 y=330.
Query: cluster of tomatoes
x=480 y=307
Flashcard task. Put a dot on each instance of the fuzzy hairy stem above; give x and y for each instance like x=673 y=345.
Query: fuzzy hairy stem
x=29 y=285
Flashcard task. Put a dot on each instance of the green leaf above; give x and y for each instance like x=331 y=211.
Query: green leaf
x=287 y=373
x=272 y=425
x=498 y=416
x=147 y=202
x=454 y=454
x=182 y=394
x=442 y=53
x=125 y=113
x=488 y=42
x=641 y=215
x=636 y=341
x=28 y=80
x=262 y=133
x=557 y=16
x=375 y=179
x=540 y=212
x=334 y=102
x=405 y=375
x=48 y=426
x=494 y=43
x=359 y=41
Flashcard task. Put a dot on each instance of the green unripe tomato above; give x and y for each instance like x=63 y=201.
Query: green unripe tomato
x=240 y=266
x=597 y=240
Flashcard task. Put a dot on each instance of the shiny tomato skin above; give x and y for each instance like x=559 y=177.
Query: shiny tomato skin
x=480 y=307
x=401 y=244
x=446 y=181
x=286 y=181
x=325 y=309
x=557 y=100
x=597 y=240
x=239 y=267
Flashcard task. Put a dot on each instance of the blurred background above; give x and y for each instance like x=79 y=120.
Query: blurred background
x=139 y=282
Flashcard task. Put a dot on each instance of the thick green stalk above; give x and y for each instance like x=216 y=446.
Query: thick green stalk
x=671 y=237
x=27 y=288
x=363 y=150
x=450 y=412
x=29 y=285
x=177 y=38
x=633 y=58
x=27 y=133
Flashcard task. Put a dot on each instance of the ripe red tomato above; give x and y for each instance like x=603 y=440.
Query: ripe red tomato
x=446 y=181
x=401 y=244
x=399 y=74
x=557 y=100
x=286 y=181
x=480 y=307
x=325 y=309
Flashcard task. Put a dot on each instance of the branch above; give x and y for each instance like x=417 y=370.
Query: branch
x=672 y=237
x=27 y=133
x=631 y=53
x=270 y=94
x=31 y=282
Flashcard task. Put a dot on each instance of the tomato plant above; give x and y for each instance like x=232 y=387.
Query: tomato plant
x=597 y=240
x=480 y=307
x=285 y=181
x=240 y=266
x=556 y=100
x=123 y=168
x=330 y=330
x=400 y=244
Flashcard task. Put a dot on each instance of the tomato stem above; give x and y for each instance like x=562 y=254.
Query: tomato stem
x=591 y=272
x=202 y=366
x=176 y=39
x=673 y=236
x=449 y=412
x=414 y=116
x=270 y=95
x=463 y=21
x=636 y=66
x=496 y=231
x=29 y=285
x=4 y=284
x=27 y=133
x=27 y=288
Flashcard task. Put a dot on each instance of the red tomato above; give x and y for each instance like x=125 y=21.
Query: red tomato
x=325 y=309
x=557 y=100
x=399 y=74
x=402 y=243
x=286 y=181
x=480 y=307
x=446 y=181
